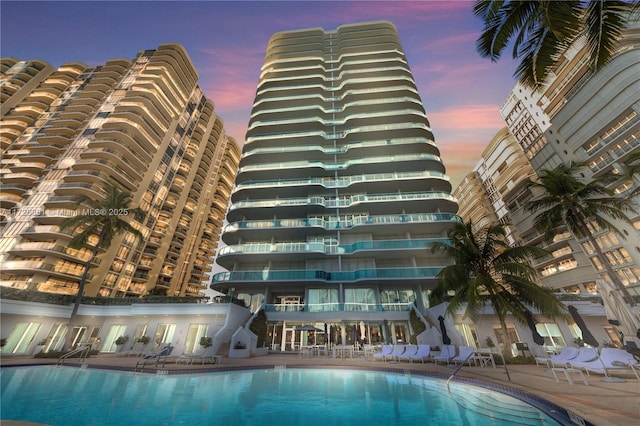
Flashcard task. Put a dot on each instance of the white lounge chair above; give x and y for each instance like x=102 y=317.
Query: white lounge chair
x=423 y=352
x=447 y=353
x=465 y=354
x=566 y=354
x=385 y=352
x=409 y=351
x=397 y=351
x=611 y=359
x=584 y=355
x=208 y=354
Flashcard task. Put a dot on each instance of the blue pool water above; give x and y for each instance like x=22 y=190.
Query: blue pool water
x=73 y=396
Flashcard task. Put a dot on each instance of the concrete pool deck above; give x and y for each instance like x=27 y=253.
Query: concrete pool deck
x=601 y=403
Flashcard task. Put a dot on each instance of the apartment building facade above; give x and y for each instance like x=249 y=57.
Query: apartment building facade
x=579 y=116
x=143 y=123
x=340 y=190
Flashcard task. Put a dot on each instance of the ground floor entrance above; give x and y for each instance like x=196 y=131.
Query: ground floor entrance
x=290 y=336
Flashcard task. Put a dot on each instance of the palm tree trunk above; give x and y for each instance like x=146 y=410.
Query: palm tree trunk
x=83 y=279
x=605 y=263
x=506 y=340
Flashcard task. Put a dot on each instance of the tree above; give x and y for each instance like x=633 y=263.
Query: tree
x=567 y=200
x=488 y=270
x=105 y=218
x=541 y=30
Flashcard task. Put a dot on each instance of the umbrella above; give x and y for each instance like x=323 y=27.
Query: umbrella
x=587 y=337
x=537 y=337
x=326 y=335
x=617 y=309
x=385 y=332
x=445 y=338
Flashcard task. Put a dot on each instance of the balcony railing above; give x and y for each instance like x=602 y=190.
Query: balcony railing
x=316 y=274
x=338 y=307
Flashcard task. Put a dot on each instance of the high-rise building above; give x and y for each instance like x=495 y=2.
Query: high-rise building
x=143 y=123
x=340 y=190
x=496 y=191
x=594 y=118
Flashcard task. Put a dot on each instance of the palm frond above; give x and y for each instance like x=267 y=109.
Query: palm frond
x=604 y=23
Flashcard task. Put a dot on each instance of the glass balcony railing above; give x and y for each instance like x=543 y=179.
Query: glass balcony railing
x=315 y=247
x=316 y=274
x=338 y=307
x=334 y=224
x=342 y=182
x=344 y=202
x=340 y=165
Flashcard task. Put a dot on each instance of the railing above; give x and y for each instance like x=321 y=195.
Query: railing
x=467 y=360
x=83 y=349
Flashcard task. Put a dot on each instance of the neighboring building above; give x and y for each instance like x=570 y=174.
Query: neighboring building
x=495 y=191
x=340 y=190
x=143 y=123
x=591 y=118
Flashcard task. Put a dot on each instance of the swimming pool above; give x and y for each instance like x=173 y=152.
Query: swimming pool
x=74 y=396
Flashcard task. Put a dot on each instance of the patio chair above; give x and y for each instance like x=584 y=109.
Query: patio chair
x=566 y=354
x=465 y=354
x=208 y=354
x=385 y=352
x=397 y=351
x=584 y=355
x=409 y=351
x=423 y=352
x=138 y=349
x=154 y=357
x=447 y=353
x=611 y=359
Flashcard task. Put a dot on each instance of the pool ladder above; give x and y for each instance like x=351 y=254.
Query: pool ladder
x=83 y=349
x=467 y=360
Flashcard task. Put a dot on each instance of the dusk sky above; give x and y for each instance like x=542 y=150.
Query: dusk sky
x=226 y=41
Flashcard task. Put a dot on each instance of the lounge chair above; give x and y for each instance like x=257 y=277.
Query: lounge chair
x=155 y=358
x=138 y=349
x=208 y=354
x=423 y=352
x=566 y=354
x=397 y=351
x=584 y=355
x=385 y=352
x=465 y=354
x=409 y=351
x=611 y=359
x=447 y=353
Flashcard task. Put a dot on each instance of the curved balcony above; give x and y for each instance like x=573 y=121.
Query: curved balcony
x=388 y=275
x=392 y=248
x=290 y=228
x=415 y=201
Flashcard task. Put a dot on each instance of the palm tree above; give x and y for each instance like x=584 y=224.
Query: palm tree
x=105 y=218
x=541 y=30
x=488 y=270
x=570 y=201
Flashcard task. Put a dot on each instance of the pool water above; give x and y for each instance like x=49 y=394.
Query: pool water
x=73 y=396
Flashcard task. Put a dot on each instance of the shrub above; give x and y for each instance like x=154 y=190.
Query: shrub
x=122 y=340
x=206 y=341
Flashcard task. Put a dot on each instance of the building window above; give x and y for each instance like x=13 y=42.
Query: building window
x=552 y=337
x=20 y=338
x=194 y=334
x=164 y=335
x=359 y=299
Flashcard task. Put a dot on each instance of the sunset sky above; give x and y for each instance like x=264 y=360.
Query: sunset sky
x=226 y=41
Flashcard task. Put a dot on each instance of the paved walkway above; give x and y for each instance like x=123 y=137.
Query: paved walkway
x=601 y=403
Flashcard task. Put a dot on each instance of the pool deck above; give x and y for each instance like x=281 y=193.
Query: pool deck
x=601 y=403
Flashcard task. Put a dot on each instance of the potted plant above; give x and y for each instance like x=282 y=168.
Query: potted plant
x=122 y=340
x=489 y=342
x=206 y=342
x=143 y=339
x=3 y=342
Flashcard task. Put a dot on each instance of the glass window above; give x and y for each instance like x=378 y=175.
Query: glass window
x=513 y=336
x=164 y=335
x=115 y=331
x=469 y=333
x=55 y=338
x=396 y=300
x=323 y=300
x=359 y=299
x=552 y=337
x=194 y=334
x=20 y=338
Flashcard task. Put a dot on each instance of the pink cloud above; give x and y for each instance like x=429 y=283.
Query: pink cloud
x=466 y=117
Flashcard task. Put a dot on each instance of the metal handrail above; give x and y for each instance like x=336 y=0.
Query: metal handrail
x=458 y=369
x=83 y=349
